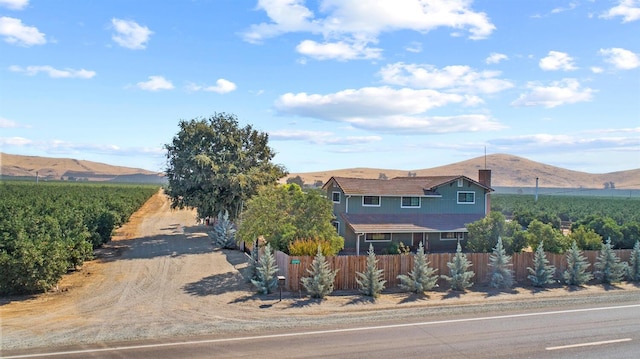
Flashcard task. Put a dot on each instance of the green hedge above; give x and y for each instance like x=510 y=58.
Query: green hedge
x=49 y=228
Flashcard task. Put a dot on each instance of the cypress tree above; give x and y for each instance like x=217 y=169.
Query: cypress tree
x=370 y=281
x=422 y=277
x=253 y=264
x=320 y=282
x=501 y=275
x=634 y=264
x=576 y=273
x=224 y=233
x=608 y=267
x=459 y=276
x=542 y=273
x=267 y=269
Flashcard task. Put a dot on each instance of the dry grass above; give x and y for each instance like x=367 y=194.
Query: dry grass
x=507 y=171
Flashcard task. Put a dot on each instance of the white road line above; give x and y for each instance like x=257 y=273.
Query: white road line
x=590 y=344
x=329 y=331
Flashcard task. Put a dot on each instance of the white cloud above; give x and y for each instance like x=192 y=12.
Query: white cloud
x=387 y=110
x=557 y=60
x=554 y=143
x=155 y=83
x=348 y=26
x=14 y=4
x=414 y=47
x=453 y=78
x=558 y=10
x=222 y=86
x=7 y=123
x=54 y=73
x=65 y=147
x=628 y=9
x=620 y=58
x=321 y=137
x=14 y=141
x=15 y=32
x=566 y=91
x=129 y=34
x=597 y=70
x=496 y=57
x=340 y=50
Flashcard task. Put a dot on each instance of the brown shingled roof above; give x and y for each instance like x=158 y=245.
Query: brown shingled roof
x=398 y=186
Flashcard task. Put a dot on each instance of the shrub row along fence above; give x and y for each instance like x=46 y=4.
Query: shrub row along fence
x=294 y=268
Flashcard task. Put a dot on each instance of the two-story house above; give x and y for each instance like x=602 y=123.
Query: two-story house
x=433 y=210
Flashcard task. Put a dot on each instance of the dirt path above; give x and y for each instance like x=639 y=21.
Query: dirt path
x=157 y=277
x=160 y=278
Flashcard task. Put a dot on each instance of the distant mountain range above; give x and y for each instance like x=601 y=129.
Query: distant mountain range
x=507 y=171
x=68 y=169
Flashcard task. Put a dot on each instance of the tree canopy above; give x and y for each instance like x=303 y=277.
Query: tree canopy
x=284 y=214
x=215 y=165
x=484 y=234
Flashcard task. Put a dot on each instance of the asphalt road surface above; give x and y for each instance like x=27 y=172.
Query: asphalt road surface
x=572 y=332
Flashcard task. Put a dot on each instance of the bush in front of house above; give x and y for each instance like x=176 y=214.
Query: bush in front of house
x=370 y=281
x=308 y=247
x=608 y=268
x=266 y=272
x=459 y=277
x=542 y=272
x=320 y=282
x=576 y=273
x=500 y=275
x=633 y=271
x=224 y=232
x=422 y=277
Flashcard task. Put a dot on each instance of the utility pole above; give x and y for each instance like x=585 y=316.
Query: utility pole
x=536 y=189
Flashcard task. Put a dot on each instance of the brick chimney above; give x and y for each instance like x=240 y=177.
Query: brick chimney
x=484 y=177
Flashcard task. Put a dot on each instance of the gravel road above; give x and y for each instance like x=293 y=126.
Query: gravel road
x=160 y=278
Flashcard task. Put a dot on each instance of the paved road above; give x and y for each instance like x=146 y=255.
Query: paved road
x=578 y=332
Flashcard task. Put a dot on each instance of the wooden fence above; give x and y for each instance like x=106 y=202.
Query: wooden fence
x=295 y=267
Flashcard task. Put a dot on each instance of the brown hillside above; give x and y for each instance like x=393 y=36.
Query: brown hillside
x=55 y=168
x=507 y=171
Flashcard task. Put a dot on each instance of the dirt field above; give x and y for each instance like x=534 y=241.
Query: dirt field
x=160 y=277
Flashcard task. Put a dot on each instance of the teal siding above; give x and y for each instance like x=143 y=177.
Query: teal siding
x=448 y=203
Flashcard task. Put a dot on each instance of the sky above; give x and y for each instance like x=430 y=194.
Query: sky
x=389 y=84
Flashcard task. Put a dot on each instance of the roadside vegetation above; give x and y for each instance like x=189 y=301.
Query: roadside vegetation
x=50 y=228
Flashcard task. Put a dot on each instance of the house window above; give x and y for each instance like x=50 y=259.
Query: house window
x=451 y=236
x=336 y=225
x=460 y=182
x=377 y=237
x=466 y=197
x=335 y=196
x=409 y=202
x=371 y=201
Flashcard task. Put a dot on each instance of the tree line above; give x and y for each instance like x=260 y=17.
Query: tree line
x=50 y=228
x=592 y=221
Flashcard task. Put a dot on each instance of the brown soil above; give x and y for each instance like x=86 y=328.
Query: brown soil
x=161 y=277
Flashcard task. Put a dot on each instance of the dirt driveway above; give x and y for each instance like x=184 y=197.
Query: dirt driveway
x=160 y=277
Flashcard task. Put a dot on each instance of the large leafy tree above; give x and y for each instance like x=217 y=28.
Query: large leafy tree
x=284 y=214
x=484 y=234
x=215 y=165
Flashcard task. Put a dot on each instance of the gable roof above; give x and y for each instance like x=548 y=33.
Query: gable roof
x=398 y=186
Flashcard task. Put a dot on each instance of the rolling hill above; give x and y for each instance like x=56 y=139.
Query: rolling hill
x=48 y=168
x=507 y=171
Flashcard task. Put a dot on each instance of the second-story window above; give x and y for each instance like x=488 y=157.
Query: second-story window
x=466 y=197
x=335 y=196
x=372 y=201
x=410 y=202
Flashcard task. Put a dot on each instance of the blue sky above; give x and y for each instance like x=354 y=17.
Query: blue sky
x=397 y=84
